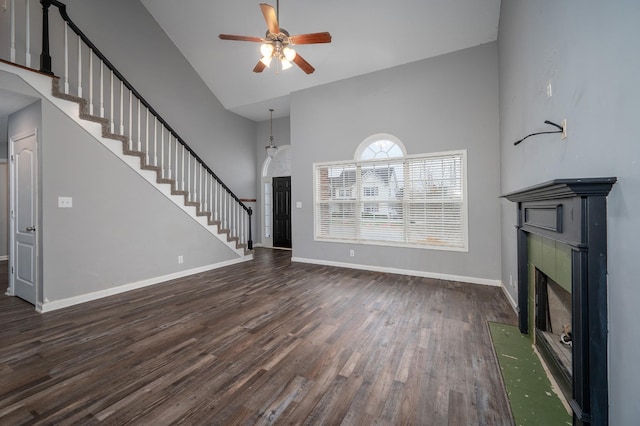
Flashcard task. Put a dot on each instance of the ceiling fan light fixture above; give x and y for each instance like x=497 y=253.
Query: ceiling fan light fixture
x=285 y=63
x=277 y=43
x=266 y=60
x=289 y=53
x=271 y=151
x=266 y=49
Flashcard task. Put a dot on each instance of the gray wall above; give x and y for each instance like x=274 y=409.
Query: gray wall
x=445 y=103
x=589 y=51
x=132 y=40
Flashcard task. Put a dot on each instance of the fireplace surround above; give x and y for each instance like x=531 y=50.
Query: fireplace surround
x=572 y=213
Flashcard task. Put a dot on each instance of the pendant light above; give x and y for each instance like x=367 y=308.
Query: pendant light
x=271 y=148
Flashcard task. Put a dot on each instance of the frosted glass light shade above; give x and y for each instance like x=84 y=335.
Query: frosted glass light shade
x=271 y=150
x=289 y=53
x=266 y=60
x=266 y=49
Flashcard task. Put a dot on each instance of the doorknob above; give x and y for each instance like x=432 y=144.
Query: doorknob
x=30 y=228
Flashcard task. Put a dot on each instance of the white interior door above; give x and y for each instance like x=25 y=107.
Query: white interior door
x=24 y=215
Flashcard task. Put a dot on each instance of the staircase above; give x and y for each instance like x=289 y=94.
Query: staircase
x=109 y=108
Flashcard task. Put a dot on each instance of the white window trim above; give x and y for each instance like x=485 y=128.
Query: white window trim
x=465 y=204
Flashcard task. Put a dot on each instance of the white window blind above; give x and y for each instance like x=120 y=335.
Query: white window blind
x=418 y=201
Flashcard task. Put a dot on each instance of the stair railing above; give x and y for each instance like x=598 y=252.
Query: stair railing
x=85 y=72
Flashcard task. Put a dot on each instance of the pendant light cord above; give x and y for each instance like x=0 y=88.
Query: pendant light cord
x=271 y=132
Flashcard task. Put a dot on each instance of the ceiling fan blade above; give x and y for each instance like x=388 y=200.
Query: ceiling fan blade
x=240 y=38
x=312 y=38
x=259 y=67
x=303 y=64
x=270 y=18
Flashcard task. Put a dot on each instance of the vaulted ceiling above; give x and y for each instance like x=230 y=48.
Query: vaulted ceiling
x=368 y=35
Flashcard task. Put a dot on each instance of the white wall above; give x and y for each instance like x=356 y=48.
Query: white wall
x=588 y=50
x=444 y=103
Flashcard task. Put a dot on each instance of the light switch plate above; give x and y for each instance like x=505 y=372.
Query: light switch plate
x=65 y=202
x=298 y=204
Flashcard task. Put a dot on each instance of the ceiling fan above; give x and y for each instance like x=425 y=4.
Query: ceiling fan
x=277 y=43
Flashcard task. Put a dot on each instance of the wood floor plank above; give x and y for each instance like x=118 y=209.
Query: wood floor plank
x=265 y=342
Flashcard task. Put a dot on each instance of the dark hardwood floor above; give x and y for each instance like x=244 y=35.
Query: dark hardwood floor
x=268 y=341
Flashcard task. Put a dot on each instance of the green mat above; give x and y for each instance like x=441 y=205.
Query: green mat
x=532 y=400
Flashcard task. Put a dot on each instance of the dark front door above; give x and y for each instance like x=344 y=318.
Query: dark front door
x=282 y=212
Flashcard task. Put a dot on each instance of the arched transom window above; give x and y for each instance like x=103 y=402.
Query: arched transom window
x=380 y=146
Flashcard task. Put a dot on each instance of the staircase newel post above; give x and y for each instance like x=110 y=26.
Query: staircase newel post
x=249 y=241
x=45 y=57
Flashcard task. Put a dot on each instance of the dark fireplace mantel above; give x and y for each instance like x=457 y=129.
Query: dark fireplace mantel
x=573 y=212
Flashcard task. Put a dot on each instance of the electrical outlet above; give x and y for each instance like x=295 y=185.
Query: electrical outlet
x=549 y=90
x=352 y=253
x=564 y=128
x=180 y=259
x=65 y=202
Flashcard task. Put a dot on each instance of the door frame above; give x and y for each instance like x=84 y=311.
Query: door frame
x=268 y=173
x=12 y=219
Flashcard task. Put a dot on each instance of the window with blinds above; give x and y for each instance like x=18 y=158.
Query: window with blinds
x=416 y=201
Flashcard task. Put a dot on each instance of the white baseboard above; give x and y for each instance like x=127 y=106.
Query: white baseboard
x=513 y=303
x=49 y=306
x=435 y=275
x=5 y=257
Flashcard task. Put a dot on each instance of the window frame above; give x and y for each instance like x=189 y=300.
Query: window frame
x=360 y=200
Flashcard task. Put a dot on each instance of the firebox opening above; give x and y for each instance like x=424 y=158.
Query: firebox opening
x=553 y=336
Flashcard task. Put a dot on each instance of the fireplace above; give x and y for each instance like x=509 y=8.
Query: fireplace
x=562 y=286
x=553 y=336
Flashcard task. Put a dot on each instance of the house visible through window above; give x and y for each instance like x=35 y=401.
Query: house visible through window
x=387 y=197
x=370 y=191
